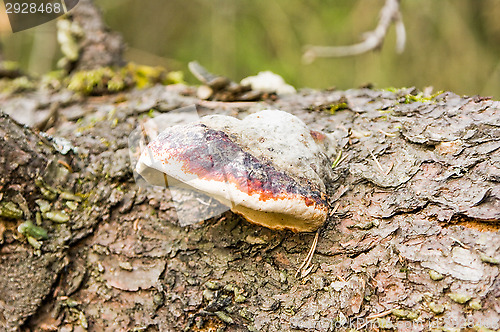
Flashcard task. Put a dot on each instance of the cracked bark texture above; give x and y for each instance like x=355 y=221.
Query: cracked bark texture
x=415 y=240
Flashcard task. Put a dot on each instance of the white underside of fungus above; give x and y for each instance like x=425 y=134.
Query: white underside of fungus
x=269 y=167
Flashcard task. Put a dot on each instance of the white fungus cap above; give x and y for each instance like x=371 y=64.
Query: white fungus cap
x=269 y=167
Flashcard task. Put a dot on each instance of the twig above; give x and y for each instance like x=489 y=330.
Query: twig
x=376 y=161
x=373 y=40
x=460 y=243
x=334 y=209
x=387 y=134
x=202 y=202
x=65 y=164
x=390 y=168
x=50 y=119
x=304 y=268
x=380 y=314
x=337 y=160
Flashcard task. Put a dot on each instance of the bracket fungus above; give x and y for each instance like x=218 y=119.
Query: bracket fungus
x=269 y=167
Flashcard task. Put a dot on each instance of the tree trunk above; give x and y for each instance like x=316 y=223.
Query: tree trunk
x=413 y=245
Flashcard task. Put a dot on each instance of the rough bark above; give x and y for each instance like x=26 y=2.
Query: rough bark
x=415 y=238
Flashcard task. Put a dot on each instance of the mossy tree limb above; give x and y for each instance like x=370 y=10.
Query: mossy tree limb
x=416 y=229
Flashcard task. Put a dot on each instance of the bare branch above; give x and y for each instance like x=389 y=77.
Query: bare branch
x=389 y=14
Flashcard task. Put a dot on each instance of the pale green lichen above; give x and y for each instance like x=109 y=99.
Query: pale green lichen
x=208 y=295
x=10 y=65
x=47 y=191
x=70 y=197
x=405 y=314
x=10 y=210
x=38 y=218
x=72 y=205
x=224 y=317
x=489 y=259
x=53 y=79
x=240 y=298
x=56 y=216
x=366 y=225
x=34 y=242
x=68 y=33
x=50 y=195
x=28 y=229
x=69 y=302
x=127 y=266
x=243 y=312
x=212 y=285
x=436 y=276
x=43 y=205
x=436 y=308
x=459 y=297
x=475 y=304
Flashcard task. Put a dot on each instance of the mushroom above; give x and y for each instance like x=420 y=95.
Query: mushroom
x=269 y=167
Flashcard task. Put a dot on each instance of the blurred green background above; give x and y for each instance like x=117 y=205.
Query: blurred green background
x=451 y=44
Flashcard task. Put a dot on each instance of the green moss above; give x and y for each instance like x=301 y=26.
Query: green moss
x=110 y=80
x=174 y=77
x=339 y=106
x=98 y=81
x=16 y=85
x=411 y=98
x=145 y=76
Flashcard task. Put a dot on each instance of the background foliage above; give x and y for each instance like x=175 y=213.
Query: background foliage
x=452 y=45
